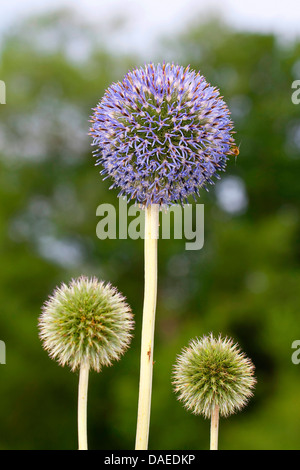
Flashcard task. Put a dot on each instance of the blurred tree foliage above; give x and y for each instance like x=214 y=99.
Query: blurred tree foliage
x=243 y=283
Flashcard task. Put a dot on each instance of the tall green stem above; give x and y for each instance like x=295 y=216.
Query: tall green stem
x=149 y=308
x=82 y=405
x=214 y=428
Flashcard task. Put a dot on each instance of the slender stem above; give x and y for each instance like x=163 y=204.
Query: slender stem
x=82 y=405
x=149 y=308
x=214 y=428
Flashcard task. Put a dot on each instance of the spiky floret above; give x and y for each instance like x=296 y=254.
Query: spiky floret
x=213 y=371
x=161 y=134
x=86 y=320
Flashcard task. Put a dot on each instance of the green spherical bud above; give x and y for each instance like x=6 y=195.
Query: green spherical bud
x=86 y=320
x=213 y=372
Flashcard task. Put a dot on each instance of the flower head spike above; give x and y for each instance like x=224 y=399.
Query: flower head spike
x=161 y=134
x=86 y=320
x=212 y=372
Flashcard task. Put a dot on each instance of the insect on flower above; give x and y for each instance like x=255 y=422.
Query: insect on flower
x=235 y=151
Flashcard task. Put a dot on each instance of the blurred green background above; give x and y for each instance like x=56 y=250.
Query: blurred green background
x=244 y=283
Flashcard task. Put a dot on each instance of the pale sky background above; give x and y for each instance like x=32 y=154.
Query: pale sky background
x=150 y=18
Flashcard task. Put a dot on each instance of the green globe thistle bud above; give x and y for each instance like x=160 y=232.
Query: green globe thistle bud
x=213 y=372
x=86 y=321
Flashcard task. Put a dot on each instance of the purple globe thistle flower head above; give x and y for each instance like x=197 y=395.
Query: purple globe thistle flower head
x=162 y=134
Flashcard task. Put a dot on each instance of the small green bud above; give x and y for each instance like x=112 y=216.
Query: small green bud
x=86 y=320
x=212 y=372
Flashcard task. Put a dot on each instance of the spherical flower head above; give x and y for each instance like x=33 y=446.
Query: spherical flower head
x=86 y=320
x=162 y=134
x=213 y=371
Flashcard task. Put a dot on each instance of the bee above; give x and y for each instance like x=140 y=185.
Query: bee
x=235 y=151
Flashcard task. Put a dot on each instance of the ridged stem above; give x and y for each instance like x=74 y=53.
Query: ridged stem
x=214 y=428
x=147 y=343
x=82 y=405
